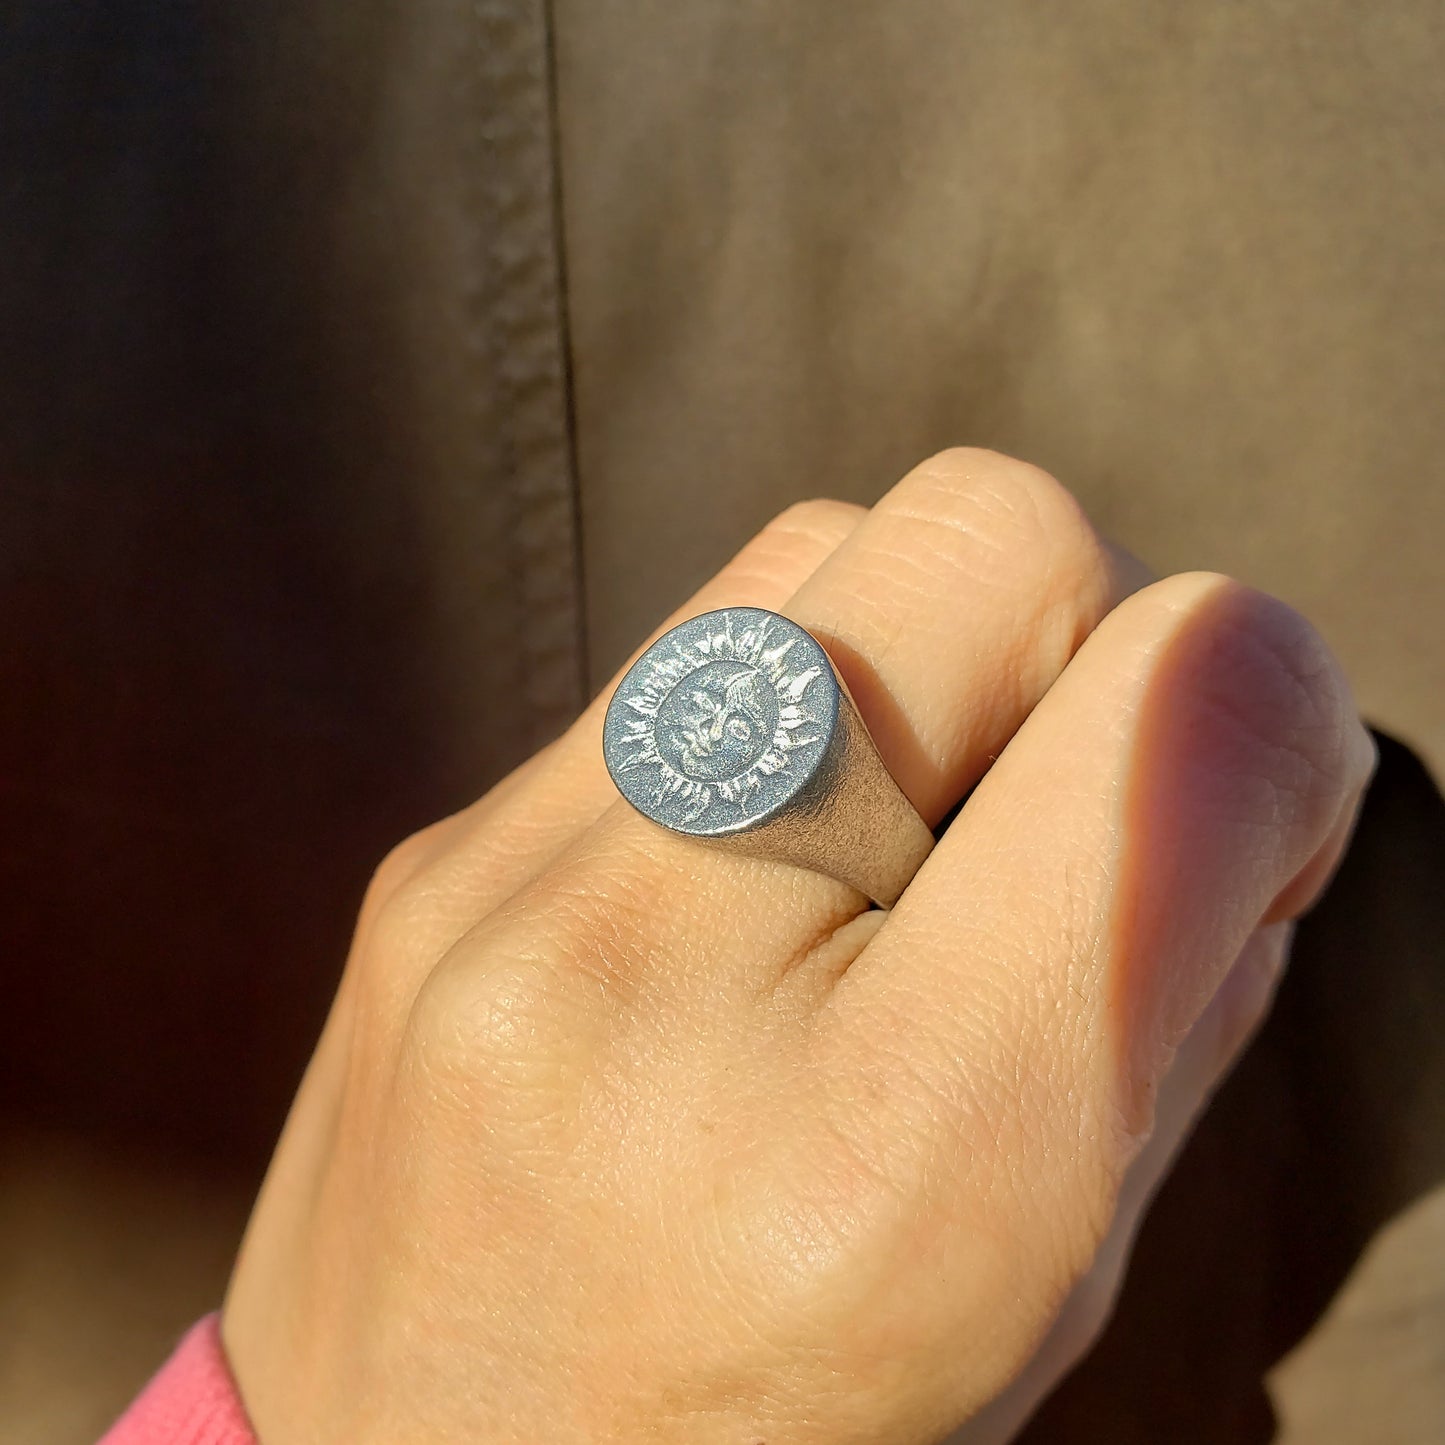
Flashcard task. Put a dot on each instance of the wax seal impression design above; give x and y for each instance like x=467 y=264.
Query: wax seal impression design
x=721 y=722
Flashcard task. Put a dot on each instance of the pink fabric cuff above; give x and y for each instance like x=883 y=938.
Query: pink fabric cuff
x=191 y=1401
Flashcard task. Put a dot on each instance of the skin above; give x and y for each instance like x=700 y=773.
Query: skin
x=613 y=1137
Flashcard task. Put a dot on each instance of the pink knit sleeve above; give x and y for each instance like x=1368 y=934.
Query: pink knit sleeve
x=191 y=1401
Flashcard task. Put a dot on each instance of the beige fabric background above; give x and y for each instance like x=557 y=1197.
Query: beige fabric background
x=1187 y=257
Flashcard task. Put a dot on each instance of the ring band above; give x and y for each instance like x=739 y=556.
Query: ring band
x=734 y=728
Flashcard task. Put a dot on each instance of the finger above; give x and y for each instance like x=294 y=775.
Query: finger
x=460 y=867
x=1213 y=1047
x=1022 y=1001
x=1203 y=1060
x=768 y=569
x=949 y=611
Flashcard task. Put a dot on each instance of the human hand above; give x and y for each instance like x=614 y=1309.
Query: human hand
x=613 y=1137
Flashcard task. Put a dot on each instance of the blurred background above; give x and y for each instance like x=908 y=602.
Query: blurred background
x=347 y=350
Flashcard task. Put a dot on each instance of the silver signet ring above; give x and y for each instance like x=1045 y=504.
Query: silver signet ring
x=734 y=728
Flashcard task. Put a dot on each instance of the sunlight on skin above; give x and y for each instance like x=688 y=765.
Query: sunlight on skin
x=611 y=1135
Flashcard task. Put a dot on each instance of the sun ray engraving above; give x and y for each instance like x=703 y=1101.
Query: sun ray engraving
x=717 y=713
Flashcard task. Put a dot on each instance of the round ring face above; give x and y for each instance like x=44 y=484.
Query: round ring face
x=722 y=721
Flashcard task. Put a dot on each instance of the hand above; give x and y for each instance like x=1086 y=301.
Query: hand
x=613 y=1137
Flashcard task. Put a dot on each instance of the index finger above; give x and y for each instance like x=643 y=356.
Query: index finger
x=1020 y=1005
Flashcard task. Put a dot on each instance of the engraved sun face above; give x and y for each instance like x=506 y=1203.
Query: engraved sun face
x=717 y=722
x=705 y=728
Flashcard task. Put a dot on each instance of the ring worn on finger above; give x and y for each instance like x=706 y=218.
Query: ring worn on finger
x=734 y=728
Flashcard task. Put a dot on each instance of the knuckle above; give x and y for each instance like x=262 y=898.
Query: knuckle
x=419 y=903
x=1016 y=525
x=587 y=924
x=1312 y=700
x=506 y=1032
x=790 y=546
x=970 y=480
x=822 y=520
x=1278 y=698
x=599 y=911
x=1249 y=722
x=493 y=1000
x=399 y=924
x=403 y=861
